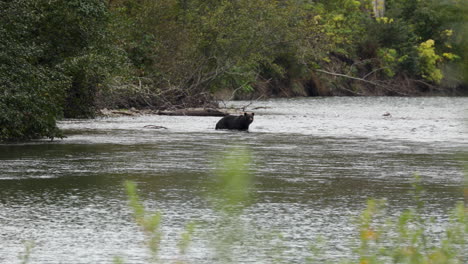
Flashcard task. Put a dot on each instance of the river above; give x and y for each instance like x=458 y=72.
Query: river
x=315 y=162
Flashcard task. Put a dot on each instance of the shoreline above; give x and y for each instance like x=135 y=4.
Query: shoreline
x=197 y=111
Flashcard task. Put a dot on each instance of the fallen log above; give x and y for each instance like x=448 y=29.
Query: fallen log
x=198 y=112
x=177 y=112
x=123 y=112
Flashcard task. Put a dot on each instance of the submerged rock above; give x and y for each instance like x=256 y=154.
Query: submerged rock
x=154 y=127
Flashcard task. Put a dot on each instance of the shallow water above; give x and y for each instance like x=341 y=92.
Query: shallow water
x=315 y=160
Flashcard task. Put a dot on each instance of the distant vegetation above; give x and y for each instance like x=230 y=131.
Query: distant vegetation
x=66 y=58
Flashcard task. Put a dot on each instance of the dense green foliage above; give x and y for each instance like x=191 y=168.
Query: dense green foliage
x=46 y=49
x=68 y=58
x=30 y=90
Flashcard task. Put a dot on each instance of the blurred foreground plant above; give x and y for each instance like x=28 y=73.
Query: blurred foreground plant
x=229 y=192
x=381 y=237
x=408 y=237
x=231 y=189
x=149 y=223
x=26 y=255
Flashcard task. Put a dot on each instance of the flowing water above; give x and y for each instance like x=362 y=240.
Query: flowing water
x=315 y=161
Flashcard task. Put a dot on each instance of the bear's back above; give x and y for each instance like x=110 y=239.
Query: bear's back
x=233 y=122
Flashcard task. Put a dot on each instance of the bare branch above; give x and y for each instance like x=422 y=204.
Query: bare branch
x=386 y=87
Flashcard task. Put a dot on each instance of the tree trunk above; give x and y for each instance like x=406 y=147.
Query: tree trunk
x=379 y=8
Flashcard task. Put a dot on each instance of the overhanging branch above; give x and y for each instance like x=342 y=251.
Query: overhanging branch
x=386 y=87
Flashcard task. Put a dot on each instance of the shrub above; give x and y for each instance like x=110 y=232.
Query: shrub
x=49 y=64
x=31 y=92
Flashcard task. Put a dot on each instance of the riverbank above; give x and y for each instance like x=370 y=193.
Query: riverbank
x=166 y=55
x=340 y=85
x=218 y=106
x=177 y=112
x=431 y=119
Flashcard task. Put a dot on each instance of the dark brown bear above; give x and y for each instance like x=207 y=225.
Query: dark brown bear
x=241 y=122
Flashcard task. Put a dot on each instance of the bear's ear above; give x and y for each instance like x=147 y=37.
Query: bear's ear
x=245 y=114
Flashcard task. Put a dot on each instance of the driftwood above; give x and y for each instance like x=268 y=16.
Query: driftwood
x=127 y=112
x=198 y=112
x=177 y=112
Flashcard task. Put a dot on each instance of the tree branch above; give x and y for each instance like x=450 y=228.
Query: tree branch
x=386 y=87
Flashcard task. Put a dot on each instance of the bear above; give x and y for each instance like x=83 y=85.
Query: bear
x=241 y=122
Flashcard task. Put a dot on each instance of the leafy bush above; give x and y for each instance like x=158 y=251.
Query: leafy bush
x=31 y=92
x=186 y=50
x=73 y=35
x=50 y=64
x=426 y=34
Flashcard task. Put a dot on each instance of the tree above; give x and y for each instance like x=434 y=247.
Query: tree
x=41 y=44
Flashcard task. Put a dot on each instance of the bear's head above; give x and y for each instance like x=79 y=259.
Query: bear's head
x=249 y=117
